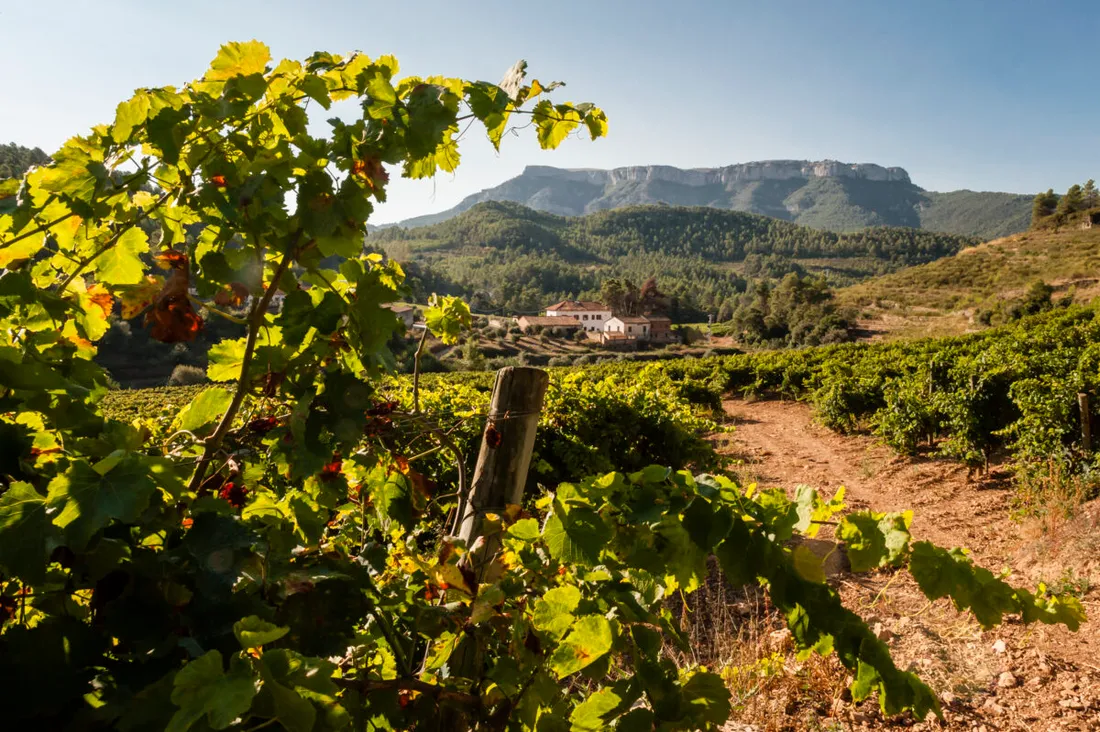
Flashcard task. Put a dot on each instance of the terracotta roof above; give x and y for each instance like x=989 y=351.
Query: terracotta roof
x=578 y=305
x=551 y=321
x=633 y=318
x=399 y=308
x=659 y=319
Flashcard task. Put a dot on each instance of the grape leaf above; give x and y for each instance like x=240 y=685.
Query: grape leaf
x=554 y=610
x=22 y=249
x=203 y=410
x=576 y=537
x=239 y=59
x=23 y=527
x=589 y=641
x=88 y=498
x=135 y=298
x=203 y=688
x=596 y=713
x=121 y=263
x=253 y=632
x=875 y=539
x=130 y=114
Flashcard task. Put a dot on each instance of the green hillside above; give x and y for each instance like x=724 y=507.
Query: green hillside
x=824 y=195
x=519 y=259
x=992 y=271
x=975 y=213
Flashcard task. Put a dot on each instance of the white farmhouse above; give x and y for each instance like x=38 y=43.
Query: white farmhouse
x=629 y=326
x=592 y=315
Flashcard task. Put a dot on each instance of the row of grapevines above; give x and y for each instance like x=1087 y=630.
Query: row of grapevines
x=1013 y=388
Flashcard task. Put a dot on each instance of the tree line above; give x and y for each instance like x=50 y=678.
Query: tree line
x=1049 y=208
x=514 y=259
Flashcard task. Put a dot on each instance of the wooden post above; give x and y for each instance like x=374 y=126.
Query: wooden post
x=1086 y=421
x=499 y=478
x=505 y=456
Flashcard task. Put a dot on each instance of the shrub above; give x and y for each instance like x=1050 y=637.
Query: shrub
x=184 y=375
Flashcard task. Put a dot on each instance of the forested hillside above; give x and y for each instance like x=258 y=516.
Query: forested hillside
x=823 y=195
x=518 y=259
x=992 y=271
x=16 y=159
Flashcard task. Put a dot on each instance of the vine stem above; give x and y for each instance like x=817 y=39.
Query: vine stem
x=255 y=320
x=219 y=313
x=441 y=693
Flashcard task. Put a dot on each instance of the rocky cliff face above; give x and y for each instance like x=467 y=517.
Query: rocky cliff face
x=725 y=176
x=825 y=194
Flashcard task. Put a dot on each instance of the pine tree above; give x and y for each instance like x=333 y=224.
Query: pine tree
x=1090 y=196
x=1044 y=205
x=1072 y=202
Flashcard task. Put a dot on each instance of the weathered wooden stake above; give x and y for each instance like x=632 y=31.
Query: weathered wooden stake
x=499 y=478
x=506 y=447
x=1086 y=421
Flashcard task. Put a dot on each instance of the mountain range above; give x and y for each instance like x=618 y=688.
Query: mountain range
x=825 y=194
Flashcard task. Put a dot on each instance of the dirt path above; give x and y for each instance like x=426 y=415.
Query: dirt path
x=1054 y=680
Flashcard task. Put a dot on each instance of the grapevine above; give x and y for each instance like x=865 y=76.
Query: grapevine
x=275 y=551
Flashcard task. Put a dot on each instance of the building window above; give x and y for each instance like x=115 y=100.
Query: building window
x=586 y=317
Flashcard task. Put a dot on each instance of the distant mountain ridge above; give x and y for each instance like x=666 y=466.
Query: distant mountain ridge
x=824 y=194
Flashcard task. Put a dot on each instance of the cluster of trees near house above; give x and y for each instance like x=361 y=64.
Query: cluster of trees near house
x=1051 y=209
x=797 y=311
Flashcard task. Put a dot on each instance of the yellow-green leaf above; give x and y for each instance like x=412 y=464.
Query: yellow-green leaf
x=235 y=59
x=121 y=263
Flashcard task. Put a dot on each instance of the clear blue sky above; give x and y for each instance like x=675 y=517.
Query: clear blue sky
x=986 y=95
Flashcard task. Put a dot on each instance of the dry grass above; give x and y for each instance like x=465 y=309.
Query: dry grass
x=738 y=633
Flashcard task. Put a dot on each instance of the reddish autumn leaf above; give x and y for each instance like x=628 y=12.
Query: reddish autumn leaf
x=492 y=436
x=172 y=318
x=102 y=299
x=332 y=470
x=136 y=298
x=81 y=343
x=218 y=180
x=235 y=494
x=371 y=171
x=173 y=321
x=35 y=451
x=171 y=259
x=235 y=293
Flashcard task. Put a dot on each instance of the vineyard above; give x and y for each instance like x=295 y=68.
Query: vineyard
x=278 y=548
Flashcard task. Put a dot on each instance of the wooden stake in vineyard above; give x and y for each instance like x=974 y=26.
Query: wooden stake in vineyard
x=505 y=457
x=499 y=478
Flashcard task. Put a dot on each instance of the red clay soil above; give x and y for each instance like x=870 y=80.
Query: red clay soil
x=1011 y=678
